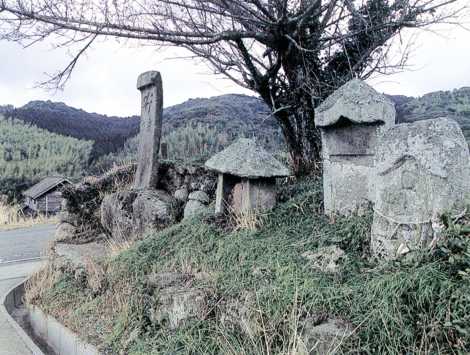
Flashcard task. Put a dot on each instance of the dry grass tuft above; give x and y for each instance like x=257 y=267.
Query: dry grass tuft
x=40 y=282
x=12 y=217
x=117 y=246
x=250 y=220
x=96 y=275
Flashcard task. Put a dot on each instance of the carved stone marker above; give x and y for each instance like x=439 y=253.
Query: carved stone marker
x=423 y=170
x=150 y=86
x=350 y=121
x=247 y=177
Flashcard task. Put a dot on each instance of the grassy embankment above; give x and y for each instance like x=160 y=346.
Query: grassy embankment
x=412 y=306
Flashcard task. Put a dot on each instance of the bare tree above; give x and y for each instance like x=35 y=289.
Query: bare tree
x=293 y=53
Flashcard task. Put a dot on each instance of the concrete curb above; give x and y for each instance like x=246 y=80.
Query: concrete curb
x=61 y=340
x=9 y=302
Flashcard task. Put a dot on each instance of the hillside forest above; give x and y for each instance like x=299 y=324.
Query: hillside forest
x=28 y=153
x=46 y=138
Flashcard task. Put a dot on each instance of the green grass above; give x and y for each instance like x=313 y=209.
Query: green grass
x=414 y=306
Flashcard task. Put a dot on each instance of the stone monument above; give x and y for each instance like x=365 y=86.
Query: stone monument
x=350 y=121
x=423 y=170
x=247 y=177
x=150 y=86
x=126 y=213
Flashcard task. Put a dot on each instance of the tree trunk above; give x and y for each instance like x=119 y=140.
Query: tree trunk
x=303 y=140
x=306 y=151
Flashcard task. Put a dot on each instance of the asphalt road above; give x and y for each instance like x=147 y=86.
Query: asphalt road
x=16 y=247
x=21 y=244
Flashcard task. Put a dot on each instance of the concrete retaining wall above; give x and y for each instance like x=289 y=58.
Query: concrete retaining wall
x=9 y=303
x=61 y=340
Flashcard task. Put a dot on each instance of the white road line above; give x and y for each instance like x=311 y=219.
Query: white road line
x=14 y=278
x=19 y=261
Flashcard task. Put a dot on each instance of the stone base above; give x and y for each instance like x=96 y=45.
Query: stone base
x=391 y=240
x=128 y=213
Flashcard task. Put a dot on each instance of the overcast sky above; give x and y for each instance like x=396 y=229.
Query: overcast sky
x=104 y=81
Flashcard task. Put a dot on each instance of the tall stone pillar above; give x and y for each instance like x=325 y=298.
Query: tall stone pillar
x=150 y=86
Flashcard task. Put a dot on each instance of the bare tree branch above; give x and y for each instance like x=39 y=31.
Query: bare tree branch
x=293 y=53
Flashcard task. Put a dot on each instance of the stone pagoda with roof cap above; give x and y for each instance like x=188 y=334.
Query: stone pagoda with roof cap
x=351 y=120
x=247 y=177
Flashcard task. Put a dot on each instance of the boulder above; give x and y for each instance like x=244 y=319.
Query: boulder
x=197 y=204
x=176 y=300
x=324 y=338
x=181 y=194
x=127 y=213
x=153 y=209
x=194 y=208
x=423 y=171
x=241 y=314
x=65 y=232
x=200 y=196
x=117 y=214
x=327 y=259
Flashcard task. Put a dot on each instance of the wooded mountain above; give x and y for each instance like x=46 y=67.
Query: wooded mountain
x=453 y=104
x=107 y=133
x=231 y=114
x=187 y=127
x=28 y=153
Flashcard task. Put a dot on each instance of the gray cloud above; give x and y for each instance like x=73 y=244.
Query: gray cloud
x=104 y=80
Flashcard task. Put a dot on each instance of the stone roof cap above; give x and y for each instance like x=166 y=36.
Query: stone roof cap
x=149 y=78
x=359 y=103
x=245 y=158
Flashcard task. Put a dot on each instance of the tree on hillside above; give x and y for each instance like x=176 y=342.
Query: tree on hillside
x=293 y=53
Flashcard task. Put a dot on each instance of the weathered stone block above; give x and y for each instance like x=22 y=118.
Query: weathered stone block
x=176 y=301
x=181 y=194
x=127 y=213
x=152 y=209
x=65 y=231
x=116 y=214
x=197 y=204
x=423 y=170
x=241 y=313
x=323 y=338
x=327 y=259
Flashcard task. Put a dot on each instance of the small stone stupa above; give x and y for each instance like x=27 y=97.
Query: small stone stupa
x=247 y=177
x=351 y=121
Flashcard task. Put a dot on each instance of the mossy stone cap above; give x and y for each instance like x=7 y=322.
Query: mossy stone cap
x=357 y=102
x=245 y=158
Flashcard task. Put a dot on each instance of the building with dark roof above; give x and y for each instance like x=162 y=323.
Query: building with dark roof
x=45 y=196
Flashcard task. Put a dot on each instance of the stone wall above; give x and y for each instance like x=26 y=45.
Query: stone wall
x=81 y=220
